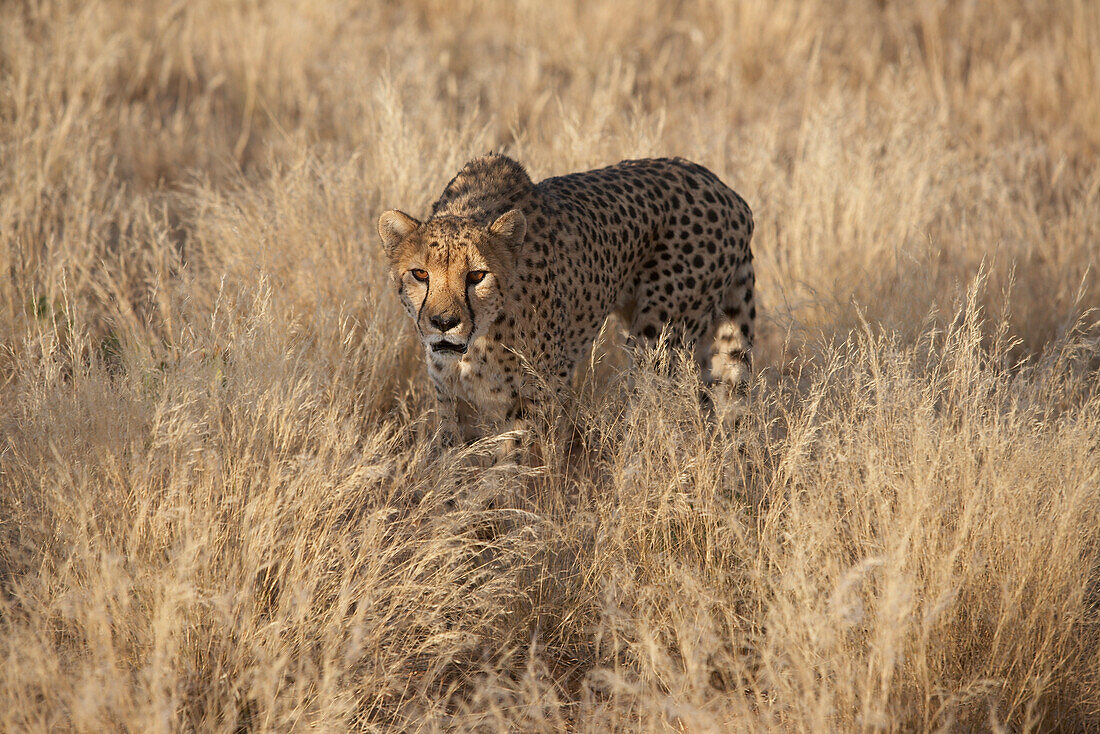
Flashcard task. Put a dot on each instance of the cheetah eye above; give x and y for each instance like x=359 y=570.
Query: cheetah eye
x=475 y=276
x=420 y=275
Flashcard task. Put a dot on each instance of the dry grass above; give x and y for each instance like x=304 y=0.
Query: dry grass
x=217 y=507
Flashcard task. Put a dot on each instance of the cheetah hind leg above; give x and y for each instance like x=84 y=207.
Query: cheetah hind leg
x=727 y=369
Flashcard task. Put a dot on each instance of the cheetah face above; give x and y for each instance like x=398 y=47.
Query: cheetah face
x=450 y=274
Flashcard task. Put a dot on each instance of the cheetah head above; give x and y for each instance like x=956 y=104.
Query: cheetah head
x=450 y=273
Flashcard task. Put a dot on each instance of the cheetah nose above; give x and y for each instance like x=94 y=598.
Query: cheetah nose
x=444 y=322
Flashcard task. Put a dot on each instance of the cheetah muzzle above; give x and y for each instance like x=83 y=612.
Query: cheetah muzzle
x=446 y=347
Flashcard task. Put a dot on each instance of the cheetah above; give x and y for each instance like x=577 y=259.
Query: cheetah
x=507 y=279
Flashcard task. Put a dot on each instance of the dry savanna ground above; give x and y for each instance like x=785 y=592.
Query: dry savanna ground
x=219 y=510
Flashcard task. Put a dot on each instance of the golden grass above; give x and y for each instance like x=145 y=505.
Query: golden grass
x=218 y=509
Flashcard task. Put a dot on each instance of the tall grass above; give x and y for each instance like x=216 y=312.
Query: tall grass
x=219 y=509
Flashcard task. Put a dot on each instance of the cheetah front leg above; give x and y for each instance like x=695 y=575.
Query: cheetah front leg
x=515 y=432
x=446 y=407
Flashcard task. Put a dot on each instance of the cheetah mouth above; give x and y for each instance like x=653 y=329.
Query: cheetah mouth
x=446 y=347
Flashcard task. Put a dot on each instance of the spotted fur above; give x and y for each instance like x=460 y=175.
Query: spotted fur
x=663 y=242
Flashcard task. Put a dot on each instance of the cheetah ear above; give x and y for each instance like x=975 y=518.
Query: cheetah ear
x=510 y=227
x=393 y=227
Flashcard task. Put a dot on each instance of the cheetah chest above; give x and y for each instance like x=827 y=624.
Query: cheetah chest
x=478 y=377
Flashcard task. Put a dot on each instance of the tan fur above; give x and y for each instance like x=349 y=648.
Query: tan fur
x=506 y=276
